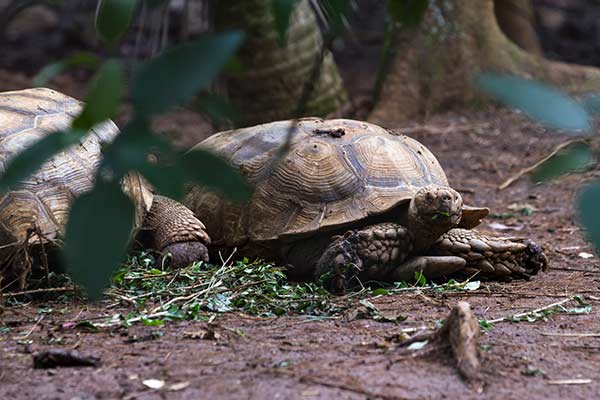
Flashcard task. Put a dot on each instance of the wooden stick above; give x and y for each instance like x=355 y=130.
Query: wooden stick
x=43 y=290
x=532 y=168
x=570 y=382
x=537 y=310
x=571 y=334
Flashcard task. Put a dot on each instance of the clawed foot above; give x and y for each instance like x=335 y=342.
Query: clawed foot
x=371 y=253
x=338 y=266
x=492 y=257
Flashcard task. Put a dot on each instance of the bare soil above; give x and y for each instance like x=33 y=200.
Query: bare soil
x=353 y=357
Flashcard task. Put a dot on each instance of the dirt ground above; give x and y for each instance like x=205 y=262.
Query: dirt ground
x=342 y=357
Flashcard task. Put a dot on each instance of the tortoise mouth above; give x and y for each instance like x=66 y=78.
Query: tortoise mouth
x=443 y=217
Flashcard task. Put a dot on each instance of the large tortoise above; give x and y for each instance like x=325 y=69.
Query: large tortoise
x=350 y=199
x=35 y=210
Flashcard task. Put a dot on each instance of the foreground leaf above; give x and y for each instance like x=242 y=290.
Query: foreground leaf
x=543 y=103
x=207 y=169
x=97 y=235
x=113 y=18
x=591 y=102
x=84 y=59
x=574 y=158
x=282 y=11
x=407 y=12
x=587 y=210
x=178 y=74
x=336 y=12
x=218 y=108
x=131 y=150
x=31 y=159
x=103 y=98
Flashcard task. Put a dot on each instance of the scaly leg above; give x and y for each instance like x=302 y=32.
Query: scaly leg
x=175 y=230
x=490 y=256
x=377 y=252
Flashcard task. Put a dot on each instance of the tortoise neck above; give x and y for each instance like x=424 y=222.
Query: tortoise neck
x=424 y=234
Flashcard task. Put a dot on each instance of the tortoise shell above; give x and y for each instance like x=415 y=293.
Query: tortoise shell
x=36 y=209
x=335 y=173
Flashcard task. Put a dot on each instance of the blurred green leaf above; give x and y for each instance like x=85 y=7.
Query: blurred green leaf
x=167 y=179
x=573 y=158
x=32 y=157
x=282 y=10
x=218 y=108
x=131 y=147
x=83 y=59
x=407 y=12
x=587 y=210
x=131 y=151
x=538 y=101
x=208 y=169
x=181 y=72
x=233 y=67
x=113 y=18
x=97 y=235
x=379 y=292
x=591 y=102
x=103 y=98
x=336 y=12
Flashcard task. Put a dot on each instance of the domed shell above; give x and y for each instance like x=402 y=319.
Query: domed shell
x=42 y=201
x=336 y=172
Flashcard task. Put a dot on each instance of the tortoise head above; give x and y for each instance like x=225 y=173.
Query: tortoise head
x=433 y=211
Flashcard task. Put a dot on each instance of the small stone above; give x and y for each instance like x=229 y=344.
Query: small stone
x=479 y=245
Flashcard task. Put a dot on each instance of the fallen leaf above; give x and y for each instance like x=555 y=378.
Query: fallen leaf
x=179 y=386
x=501 y=227
x=583 y=254
x=154 y=383
x=311 y=393
x=472 y=285
x=417 y=345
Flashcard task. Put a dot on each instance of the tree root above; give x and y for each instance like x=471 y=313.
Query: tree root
x=460 y=333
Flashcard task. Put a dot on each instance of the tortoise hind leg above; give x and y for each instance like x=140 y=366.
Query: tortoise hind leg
x=175 y=230
x=490 y=256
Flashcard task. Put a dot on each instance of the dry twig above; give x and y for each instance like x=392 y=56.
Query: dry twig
x=533 y=167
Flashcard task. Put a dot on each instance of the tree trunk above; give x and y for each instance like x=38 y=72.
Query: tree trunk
x=516 y=19
x=274 y=75
x=436 y=63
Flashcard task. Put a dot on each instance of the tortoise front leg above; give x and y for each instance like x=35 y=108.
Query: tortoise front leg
x=377 y=252
x=490 y=256
x=175 y=230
